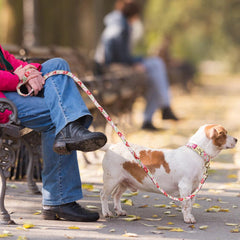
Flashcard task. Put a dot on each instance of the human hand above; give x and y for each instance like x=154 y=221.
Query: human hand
x=35 y=81
x=20 y=71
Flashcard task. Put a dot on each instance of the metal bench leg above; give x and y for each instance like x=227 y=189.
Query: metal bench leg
x=31 y=183
x=4 y=215
x=7 y=158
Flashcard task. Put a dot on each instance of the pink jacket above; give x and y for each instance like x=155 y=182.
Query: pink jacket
x=9 y=81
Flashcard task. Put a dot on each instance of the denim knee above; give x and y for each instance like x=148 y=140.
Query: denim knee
x=57 y=64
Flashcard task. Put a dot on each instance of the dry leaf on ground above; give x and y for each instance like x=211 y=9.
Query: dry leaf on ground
x=204 y=227
x=73 y=227
x=130 y=235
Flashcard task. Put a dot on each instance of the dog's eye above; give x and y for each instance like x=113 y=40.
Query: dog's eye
x=222 y=133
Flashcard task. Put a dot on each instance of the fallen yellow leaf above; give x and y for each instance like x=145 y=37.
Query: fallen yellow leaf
x=232 y=176
x=148 y=225
x=203 y=227
x=22 y=238
x=73 y=227
x=231 y=224
x=170 y=223
x=176 y=230
x=224 y=210
x=130 y=194
x=153 y=219
x=235 y=230
x=131 y=218
x=196 y=205
x=37 y=212
x=130 y=235
x=128 y=202
x=101 y=226
x=28 y=225
x=91 y=207
x=167 y=212
x=96 y=190
x=9 y=234
x=3 y=235
x=87 y=186
x=164 y=228
x=217 y=209
x=209 y=200
x=160 y=205
x=143 y=206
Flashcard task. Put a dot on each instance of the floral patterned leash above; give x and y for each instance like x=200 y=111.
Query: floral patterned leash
x=109 y=120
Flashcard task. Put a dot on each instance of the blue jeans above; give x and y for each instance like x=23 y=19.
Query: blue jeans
x=61 y=104
x=158 y=95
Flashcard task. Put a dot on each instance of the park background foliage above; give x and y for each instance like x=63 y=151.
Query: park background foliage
x=199 y=29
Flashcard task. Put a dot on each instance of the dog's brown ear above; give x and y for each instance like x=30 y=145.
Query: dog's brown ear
x=221 y=130
x=211 y=131
x=215 y=131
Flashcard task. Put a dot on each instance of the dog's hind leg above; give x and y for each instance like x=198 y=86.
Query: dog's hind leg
x=121 y=188
x=108 y=187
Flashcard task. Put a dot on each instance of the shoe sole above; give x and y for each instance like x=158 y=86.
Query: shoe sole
x=49 y=215
x=84 y=146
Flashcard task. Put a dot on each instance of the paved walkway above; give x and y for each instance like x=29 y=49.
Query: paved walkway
x=217 y=208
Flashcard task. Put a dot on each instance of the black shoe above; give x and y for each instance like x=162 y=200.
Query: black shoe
x=76 y=137
x=149 y=126
x=167 y=113
x=70 y=212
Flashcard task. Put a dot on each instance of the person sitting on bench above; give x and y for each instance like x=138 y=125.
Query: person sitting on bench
x=57 y=110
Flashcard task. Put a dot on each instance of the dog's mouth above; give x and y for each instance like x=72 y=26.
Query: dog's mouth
x=232 y=143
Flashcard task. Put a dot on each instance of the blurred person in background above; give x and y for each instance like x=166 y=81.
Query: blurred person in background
x=115 y=47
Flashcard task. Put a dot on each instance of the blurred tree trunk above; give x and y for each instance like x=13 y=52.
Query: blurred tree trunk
x=29 y=25
x=71 y=23
x=15 y=21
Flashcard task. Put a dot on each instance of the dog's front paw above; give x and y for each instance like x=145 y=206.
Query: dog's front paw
x=189 y=219
x=120 y=212
x=108 y=214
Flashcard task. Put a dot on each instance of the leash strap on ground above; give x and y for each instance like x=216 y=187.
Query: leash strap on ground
x=109 y=120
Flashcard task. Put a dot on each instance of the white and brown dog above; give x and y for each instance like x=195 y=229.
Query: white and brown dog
x=177 y=171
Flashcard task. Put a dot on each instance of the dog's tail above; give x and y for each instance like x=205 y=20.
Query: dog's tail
x=105 y=147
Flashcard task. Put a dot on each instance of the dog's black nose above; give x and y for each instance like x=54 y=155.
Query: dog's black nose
x=235 y=139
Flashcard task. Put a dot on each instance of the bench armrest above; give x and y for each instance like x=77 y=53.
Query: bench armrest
x=9 y=105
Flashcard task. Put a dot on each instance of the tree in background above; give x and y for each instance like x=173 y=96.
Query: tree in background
x=200 y=29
